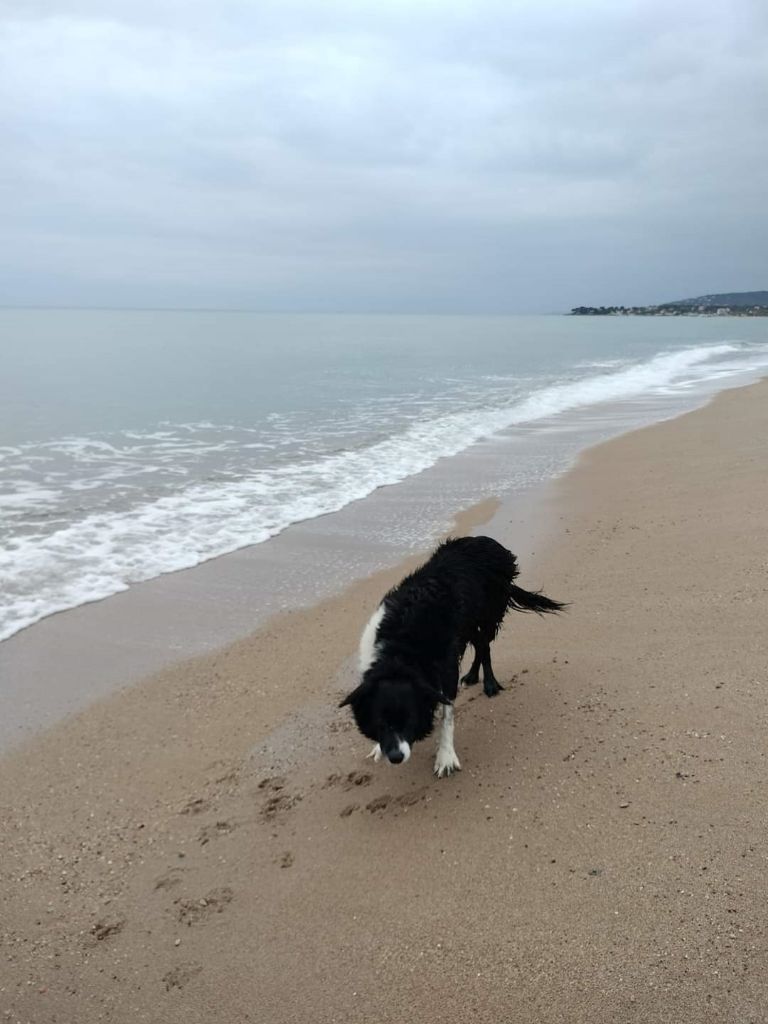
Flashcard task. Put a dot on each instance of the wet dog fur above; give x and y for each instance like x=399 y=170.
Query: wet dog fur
x=412 y=646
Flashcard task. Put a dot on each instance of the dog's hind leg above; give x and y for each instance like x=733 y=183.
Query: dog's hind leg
x=446 y=761
x=491 y=685
x=473 y=676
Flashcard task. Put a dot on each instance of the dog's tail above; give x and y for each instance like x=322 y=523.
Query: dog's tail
x=532 y=601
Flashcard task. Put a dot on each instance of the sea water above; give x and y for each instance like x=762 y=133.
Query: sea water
x=136 y=443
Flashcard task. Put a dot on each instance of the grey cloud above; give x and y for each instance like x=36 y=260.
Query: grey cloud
x=384 y=155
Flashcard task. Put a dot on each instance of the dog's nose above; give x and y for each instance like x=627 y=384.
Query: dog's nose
x=395 y=756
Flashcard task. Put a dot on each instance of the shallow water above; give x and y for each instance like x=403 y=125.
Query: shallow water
x=136 y=443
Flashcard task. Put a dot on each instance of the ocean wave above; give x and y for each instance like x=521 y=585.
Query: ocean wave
x=106 y=551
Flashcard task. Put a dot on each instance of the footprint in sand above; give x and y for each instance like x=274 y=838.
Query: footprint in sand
x=196 y=805
x=350 y=781
x=214 y=831
x=191 y=912
x=107 y=929
x=273 y=783
x=381 y=803
x=357 y=779
x=409 y=799
x=286 y=859
x=343 y=726
x=277 y=801
x=169 y=879
x=180 y=975
x=279 y=804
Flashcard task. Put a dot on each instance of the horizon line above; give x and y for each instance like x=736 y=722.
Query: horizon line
x=273 y=312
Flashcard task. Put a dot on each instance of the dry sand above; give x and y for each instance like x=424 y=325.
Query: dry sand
x=211 y=845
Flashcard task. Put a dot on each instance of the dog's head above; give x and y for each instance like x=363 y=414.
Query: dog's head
x=394 y=709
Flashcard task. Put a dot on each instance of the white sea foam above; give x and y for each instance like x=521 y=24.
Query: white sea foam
x=27 y=496
x=105 y=551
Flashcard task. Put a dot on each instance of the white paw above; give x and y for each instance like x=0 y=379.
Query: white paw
x=375 y=753
x=446 y=763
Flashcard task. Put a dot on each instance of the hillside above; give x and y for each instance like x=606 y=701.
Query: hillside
x=739 y=299
x=720 y=304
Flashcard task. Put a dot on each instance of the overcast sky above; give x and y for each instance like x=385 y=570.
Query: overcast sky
x=395 y=155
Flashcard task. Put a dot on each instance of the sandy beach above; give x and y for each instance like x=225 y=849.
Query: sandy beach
x=210 y=844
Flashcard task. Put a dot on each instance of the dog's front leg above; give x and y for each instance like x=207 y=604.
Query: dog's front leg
x=446 y=761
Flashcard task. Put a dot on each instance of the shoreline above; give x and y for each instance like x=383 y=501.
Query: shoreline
x=130 y=644
x=352 y=602
x=99 y=648
x=184 y=849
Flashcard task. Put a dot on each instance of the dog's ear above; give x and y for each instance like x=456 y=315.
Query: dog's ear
x=357 y=692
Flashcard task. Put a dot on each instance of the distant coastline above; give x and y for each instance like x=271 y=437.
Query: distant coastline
x=723 y=304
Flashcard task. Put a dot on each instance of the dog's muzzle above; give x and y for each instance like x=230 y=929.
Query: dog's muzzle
x=399 y=753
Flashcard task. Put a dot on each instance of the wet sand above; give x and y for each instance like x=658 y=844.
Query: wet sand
x=66 y=661
x=211 y=844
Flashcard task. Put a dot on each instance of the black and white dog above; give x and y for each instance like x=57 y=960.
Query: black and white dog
x=412 y=647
